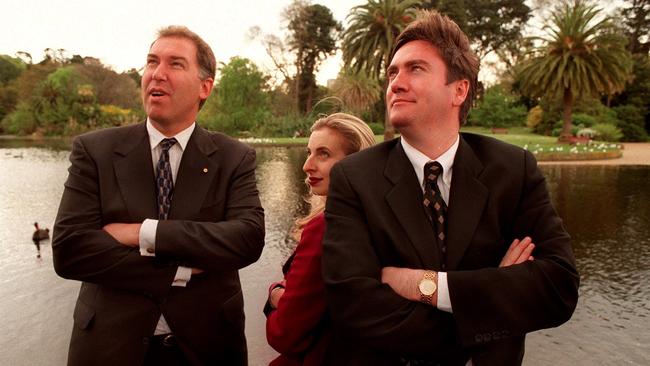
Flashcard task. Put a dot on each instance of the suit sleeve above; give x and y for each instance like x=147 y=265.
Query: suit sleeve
x=367 y=310
x=226 y=245
x=83 y=251
x=294 y=325
x=493 y=303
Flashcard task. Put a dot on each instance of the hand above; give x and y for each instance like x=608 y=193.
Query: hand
x=519 y=252
x=404 y=281
x=196 y=271
x=274 y=297
x=126 y=234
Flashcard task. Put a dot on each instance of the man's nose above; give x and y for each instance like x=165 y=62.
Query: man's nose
x=398 y=83
x=160 y=72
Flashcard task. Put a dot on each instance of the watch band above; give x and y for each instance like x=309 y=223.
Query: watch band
x=427 y=298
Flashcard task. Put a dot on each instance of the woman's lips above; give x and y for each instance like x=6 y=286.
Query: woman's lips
x=313 y=181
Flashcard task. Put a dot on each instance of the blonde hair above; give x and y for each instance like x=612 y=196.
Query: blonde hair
x=357 y=136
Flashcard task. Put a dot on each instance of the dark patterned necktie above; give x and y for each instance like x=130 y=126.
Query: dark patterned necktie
x=435 y=206
x=164 y=180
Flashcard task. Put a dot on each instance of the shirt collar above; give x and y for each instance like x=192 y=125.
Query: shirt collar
x=156 y=136
x=418 y=160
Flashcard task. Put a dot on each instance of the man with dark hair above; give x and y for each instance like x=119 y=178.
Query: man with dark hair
x=156 y=219
x=428 y=255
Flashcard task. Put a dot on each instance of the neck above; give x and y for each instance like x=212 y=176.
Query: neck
x=433 y=143
x=170 y=130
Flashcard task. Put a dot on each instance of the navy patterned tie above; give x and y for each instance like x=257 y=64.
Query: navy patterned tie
x=435 y=206
x=164 y=180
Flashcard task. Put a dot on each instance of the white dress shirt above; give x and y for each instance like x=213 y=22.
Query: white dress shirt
x=419 y=160
x=148 y=229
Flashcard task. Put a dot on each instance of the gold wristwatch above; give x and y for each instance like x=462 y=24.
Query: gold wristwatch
x=427 y=287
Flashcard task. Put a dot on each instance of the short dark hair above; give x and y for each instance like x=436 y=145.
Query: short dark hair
x=204 y=55
x=452 y=44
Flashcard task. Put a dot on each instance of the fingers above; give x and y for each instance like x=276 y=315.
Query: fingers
x=518 y=252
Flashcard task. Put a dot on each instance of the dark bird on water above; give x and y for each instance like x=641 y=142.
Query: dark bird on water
x=40 y=234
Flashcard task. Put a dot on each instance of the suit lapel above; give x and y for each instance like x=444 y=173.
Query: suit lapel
x=405 y=200
x=134 y=174
x=195 y=174
x=467 y=200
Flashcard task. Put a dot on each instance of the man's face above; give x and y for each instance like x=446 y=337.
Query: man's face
x=418 y=96
x=171 y=86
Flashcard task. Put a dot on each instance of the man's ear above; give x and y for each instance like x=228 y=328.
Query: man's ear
x=206 y=88
x=461 y=89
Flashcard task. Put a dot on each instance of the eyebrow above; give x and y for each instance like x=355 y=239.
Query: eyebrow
x=418 y=61
x=173 y=58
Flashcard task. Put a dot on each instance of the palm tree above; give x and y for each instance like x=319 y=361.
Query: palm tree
x=580 y=55
x=356 y=90
x=370 y=36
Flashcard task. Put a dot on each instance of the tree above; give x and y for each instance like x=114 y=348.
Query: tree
x=369 y=39
x=240 y=99
x=356 y=90
x=490 y=25
x=636 y=22
x=580 y=54
x=313 y=33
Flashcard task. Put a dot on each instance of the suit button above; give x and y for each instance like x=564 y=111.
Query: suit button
x=145 y=340
x=150 y=250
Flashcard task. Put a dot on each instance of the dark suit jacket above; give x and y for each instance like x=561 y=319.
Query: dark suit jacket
x=375 y=218
x=300 y=328
x=216 y=223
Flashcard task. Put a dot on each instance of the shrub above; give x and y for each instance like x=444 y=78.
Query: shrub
x=499 y=109
x=583 y=119
x=607 y=132
x=377 y=128
x=631 y=122
x=535 y=117
x=21 y=121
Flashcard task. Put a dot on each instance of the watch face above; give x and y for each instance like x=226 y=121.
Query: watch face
x=427 y=287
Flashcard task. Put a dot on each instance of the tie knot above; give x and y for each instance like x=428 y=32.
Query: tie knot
x=166 y=144
x=432 y=170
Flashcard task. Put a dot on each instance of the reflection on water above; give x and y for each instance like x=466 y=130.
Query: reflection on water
x=604 y=208
x=606 y=211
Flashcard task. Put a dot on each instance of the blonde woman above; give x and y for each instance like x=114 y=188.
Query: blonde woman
x=298 y=325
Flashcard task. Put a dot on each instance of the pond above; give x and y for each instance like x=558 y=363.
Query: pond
x=605 y=209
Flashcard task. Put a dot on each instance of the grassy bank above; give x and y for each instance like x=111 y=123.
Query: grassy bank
x=545 y=148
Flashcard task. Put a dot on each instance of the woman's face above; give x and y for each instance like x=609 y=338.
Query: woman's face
x=325 y=147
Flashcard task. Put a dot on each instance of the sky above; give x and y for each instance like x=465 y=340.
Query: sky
x=119 y=32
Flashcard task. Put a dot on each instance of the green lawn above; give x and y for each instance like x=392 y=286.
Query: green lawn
x=544 y=147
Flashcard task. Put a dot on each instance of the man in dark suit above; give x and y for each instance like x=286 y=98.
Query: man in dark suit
x=156 y=219
x=427 y=253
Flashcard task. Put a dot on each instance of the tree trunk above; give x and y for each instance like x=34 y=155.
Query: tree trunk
x=567 y=100
x=389 y=130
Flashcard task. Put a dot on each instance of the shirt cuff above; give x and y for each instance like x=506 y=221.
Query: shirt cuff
x=444 y=302
x=183 y=275
x=147 y=238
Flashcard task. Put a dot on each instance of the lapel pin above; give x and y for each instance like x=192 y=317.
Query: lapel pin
x=205 y=170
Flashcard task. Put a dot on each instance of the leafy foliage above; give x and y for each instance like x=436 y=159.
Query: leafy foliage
x=580 y=54
x=357 y=91
x=490 y=25
x=313 y=32
x=498 y=109
x=240 y=100
x=373 y=27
